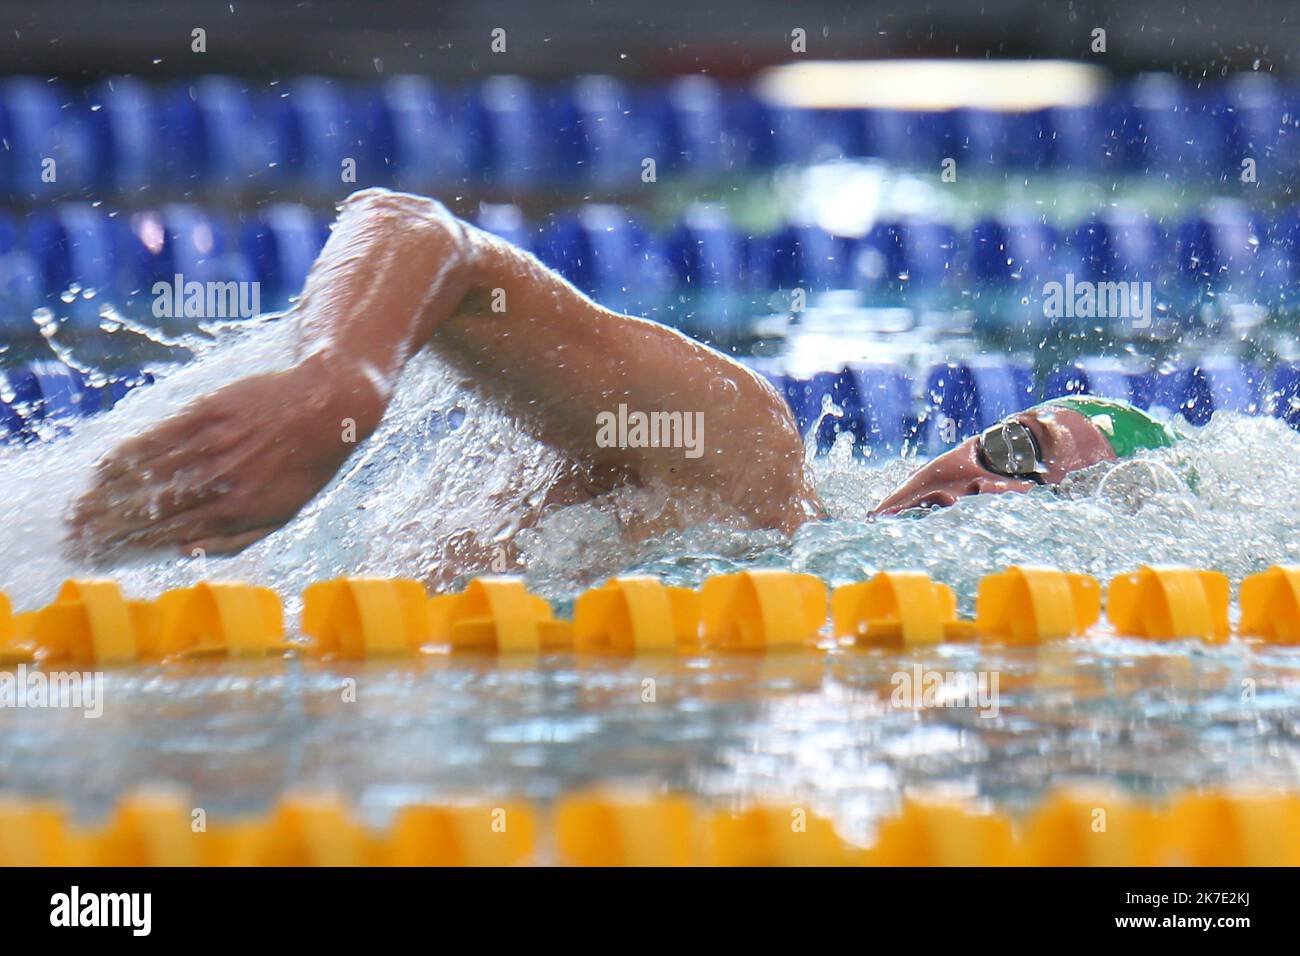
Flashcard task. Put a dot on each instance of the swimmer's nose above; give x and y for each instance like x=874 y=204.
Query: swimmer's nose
x=940 y=498
x=986 y=485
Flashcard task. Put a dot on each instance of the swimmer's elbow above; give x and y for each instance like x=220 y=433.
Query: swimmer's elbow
x=778 y=492
x=377 y=201
x=776 y=419
x=401 y=217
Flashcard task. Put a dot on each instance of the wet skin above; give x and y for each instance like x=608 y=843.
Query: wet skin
x=1067 y=439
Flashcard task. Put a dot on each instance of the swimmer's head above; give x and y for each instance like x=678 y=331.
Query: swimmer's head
x=1038 y=446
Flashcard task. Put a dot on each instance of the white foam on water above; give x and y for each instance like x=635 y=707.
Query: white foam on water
x=445 y=483
x=1241 y=518
x=448 y=479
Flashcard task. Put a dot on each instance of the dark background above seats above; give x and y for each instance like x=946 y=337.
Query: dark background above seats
x=723 y=37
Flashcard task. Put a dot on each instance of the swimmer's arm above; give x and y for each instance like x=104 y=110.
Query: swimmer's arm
x=399 y=272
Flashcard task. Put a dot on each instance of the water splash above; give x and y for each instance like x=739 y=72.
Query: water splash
x=1241 y=518
x=449 y=481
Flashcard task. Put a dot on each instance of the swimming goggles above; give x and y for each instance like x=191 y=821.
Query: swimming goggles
x=1010 y=449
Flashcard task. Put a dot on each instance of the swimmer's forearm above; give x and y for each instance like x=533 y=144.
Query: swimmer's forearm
x=395 y=266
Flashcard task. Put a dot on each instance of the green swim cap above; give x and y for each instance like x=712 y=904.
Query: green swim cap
x=1128 y=429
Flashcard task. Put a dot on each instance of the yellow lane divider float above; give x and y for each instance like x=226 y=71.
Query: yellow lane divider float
x=1078 y=827
x=360 y=617
x=1028 y=605
x=761 y=610
x=1164 y=604
x=897 y=608
x=497 y=614
x=1270 y=605
x=636 y=614
x=91 y=621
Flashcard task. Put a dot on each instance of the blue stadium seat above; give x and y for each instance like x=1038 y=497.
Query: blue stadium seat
x=884 y=398
x=1104 y=377
x=992 y=141
x=1030 y=140
x=184 y=240
x=126 y=123
x=1265 y=116
x=804 y=402
x=9 y=232
x=1009 y=263
x=281 y=244
x=1171 y=389
x=1218 y=249
x=1176 y=132
x=437 y=135
x=518 y=152
x=39 y=121
x=215 y=137
x=1086 y=140
x=841 y=389
x=705 y=250
x=180 y=238
x=1281 y=264
x=326 y=128
x=608 y=254
x=22 y=292
x=702 y=141
x=876 y=405
x=1017 y=250
x=77 y=250
x=75 y=243
x=48 y=390
x=908 y=137
x=964 y=398
x=599 y=132
x=784 y=135
x=1120 y=245
x=1216 y=384
x=977 y=140
x=799 y=257
x=1226 y=384
x=915 y=255
x=22 y=287
x=707 y=258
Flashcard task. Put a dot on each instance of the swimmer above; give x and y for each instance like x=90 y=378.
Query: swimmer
x=400 y=273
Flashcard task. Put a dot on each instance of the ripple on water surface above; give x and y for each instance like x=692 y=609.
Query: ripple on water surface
x=824 y=729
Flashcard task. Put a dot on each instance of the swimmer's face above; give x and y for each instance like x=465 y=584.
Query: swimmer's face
x=1068 y=442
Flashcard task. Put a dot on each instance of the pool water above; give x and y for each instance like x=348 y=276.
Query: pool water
x=446 y=466
x=730 y=730
x=823 y=728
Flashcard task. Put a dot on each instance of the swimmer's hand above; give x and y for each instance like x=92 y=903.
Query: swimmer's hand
x=232 y=467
